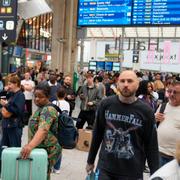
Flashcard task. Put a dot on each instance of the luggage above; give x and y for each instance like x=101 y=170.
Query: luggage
x=84 y=140
x=67 y=132
x=14 y=168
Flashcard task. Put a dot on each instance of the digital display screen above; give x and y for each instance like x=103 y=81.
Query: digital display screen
x=128 y=12
x=116 y=66
x=104 y=12
x=100 y=65
x=108 y=66
x=92 y=68
x=18 y=51
x=154 y=12
x=92 y=63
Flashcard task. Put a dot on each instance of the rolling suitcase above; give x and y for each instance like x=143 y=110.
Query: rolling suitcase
x=15 y=168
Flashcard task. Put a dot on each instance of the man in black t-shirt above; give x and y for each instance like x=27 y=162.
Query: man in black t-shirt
x=125 y=129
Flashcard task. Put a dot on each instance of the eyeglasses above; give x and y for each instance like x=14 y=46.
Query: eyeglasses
x=173 y=91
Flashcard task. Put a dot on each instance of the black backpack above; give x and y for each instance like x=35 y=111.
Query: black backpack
x=67 y=132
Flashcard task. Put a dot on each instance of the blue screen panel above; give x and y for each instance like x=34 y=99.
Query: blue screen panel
x=152 y=12
x=100 y=66
x=17 y=51
x=108 y=66
x=128 y=12
x=104 y=12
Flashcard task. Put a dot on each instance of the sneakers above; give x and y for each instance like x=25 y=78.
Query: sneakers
x=56 y=171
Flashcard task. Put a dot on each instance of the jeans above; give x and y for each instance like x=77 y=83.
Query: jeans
x=104 y=175
x=58 y=163
x=164 y=159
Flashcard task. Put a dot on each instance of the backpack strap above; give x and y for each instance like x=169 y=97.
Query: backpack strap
x=56 y=107
x=163 y=107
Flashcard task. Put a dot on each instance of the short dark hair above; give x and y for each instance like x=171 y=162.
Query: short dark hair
x=61 y=92
x=45 y=88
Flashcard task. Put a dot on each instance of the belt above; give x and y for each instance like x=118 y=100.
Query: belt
x=166 y=156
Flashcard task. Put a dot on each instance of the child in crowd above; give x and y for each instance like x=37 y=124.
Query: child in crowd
x=65 y=107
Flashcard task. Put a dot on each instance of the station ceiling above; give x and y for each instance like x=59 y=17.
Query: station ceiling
x=31 y=8
x=136 y=32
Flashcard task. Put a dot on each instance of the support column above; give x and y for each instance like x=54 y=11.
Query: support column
x=82 y=54
x=93 y=48
x=64 y=40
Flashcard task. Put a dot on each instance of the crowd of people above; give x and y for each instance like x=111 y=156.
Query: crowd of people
x=124 y=110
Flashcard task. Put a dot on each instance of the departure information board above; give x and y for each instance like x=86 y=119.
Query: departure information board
x=128 y=12
x=104 y=12
x=154 y=12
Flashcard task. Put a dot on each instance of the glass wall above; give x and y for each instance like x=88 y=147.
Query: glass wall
x=36 y=33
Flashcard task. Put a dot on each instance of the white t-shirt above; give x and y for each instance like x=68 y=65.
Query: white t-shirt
x=169 y=130
x=28 y=94
x=170 y=171
x=63 y=105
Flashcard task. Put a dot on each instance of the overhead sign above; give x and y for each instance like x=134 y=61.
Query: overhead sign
x=8 y=20
x=104 y=12
x=128 y=12
x=154 y=12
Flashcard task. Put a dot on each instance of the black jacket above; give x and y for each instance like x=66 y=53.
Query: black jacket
x=16 y=105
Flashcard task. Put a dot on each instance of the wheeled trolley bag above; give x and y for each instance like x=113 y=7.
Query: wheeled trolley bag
x=15 y=168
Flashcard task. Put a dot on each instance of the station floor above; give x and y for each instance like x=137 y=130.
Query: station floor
x=73 y=161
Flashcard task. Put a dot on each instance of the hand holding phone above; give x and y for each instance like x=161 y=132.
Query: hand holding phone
x=3 y=100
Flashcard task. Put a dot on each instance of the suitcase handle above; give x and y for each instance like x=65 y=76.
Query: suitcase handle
x=17 y=167
x=19 y=158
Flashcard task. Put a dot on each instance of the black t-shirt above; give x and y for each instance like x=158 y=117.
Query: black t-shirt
x=128 y=136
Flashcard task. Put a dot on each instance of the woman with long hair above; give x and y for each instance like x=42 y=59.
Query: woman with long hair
x=145 y=93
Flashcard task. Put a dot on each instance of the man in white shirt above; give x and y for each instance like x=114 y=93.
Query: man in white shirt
x=169 y=127
x=28 y=85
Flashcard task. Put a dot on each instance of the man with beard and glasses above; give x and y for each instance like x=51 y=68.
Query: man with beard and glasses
x=169 y=124
x=125 y=128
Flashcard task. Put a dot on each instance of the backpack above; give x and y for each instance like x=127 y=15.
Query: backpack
x=67 y=133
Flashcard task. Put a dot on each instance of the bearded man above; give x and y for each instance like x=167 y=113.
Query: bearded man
x=125 y=128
